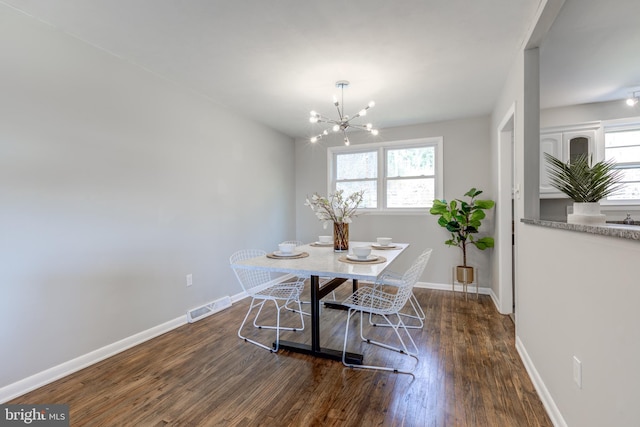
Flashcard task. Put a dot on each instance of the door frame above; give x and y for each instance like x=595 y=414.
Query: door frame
x=505 y=214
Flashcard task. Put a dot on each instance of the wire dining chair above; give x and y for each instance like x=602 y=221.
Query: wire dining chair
x=377 y=300
x=262 y=287
x=395 y=279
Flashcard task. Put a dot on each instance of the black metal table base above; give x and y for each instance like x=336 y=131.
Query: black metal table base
x=335 y=305
x=325 y=353
x=314 y=349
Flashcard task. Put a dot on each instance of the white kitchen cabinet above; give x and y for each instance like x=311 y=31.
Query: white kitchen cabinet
x=549 y=143
x=565 y=143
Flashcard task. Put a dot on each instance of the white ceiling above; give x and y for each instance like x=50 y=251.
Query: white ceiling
x=420 y=60
x=591 y=53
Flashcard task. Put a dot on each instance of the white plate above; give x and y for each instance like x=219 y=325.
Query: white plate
x=324 y=244
x=355 y=258
x=282 y=254
x=391 y=246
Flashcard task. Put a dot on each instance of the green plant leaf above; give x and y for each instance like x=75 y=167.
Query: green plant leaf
x=472 y=193
x=451 y=243
x=453 y=226
x=472 y=228
x=439 y=207
x=484 y=243
x=442 y=221
x=477 y=215
x=581 y=181
x=484 y=204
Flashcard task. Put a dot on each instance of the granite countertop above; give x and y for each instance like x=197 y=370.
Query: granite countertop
x=622 y=231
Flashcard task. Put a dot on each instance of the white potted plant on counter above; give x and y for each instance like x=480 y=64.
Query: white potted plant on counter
x=585 y=184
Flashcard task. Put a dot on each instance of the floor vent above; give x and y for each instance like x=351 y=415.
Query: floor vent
x=203 y=311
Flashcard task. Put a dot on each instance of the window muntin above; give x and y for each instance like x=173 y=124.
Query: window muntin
x=396 y=176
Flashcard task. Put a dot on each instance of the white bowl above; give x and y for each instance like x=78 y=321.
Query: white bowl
x=384 y=241
x=286 y=248
x=361 y=252
x=325 y=239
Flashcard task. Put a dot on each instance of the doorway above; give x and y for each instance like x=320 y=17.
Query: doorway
x=506 y=214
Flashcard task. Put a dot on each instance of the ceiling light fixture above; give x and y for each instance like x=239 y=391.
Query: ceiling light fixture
x=344 y=122
x=633 y=99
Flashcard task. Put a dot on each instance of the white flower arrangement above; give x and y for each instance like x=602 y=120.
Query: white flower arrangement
x=335 y=208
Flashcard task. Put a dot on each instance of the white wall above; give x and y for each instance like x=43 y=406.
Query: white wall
x=466 y=165
x=576 y=295
x=579 y=297
x=576 y=114
x=115 y=184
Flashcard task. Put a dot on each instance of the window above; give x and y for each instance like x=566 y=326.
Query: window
x=358 y=171
x=622 y=144
x=396 y=176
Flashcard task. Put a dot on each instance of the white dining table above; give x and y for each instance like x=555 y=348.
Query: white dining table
x=324 y=262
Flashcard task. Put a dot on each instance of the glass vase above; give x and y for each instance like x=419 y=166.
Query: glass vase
x=340 y=237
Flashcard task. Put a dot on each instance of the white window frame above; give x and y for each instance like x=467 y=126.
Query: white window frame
x=617 y=125
x=382 y=148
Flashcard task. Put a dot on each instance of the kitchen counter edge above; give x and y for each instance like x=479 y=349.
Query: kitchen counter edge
x=631 y=232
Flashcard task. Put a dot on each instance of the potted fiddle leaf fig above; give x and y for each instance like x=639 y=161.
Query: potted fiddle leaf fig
x=585 y=184
x=463 y=218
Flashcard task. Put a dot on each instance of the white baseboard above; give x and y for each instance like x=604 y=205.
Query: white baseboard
x=495 y=300
x=237 y=297
x=458 y=288
x=45 y=377
x=447 y=287
x=545 y=396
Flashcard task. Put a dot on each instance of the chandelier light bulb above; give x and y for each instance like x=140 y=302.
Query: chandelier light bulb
x=369 y=126
x=346 y=141
x=632 y=101
x=362 y=112
x=336 y=128
x=314 y=139
x=374 y=132
x=372 y=104
x=313 y=119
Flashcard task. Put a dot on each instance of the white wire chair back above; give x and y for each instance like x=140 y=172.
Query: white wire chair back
x=408 y=280
x=261 y=286
x=252 y=281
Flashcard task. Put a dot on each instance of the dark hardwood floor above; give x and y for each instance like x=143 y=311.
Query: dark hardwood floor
x=202 y=374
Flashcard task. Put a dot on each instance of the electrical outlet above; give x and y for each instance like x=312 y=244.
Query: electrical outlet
x=577 y=371
x=189 y=279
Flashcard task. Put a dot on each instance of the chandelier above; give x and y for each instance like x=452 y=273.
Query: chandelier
x=344 y=122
